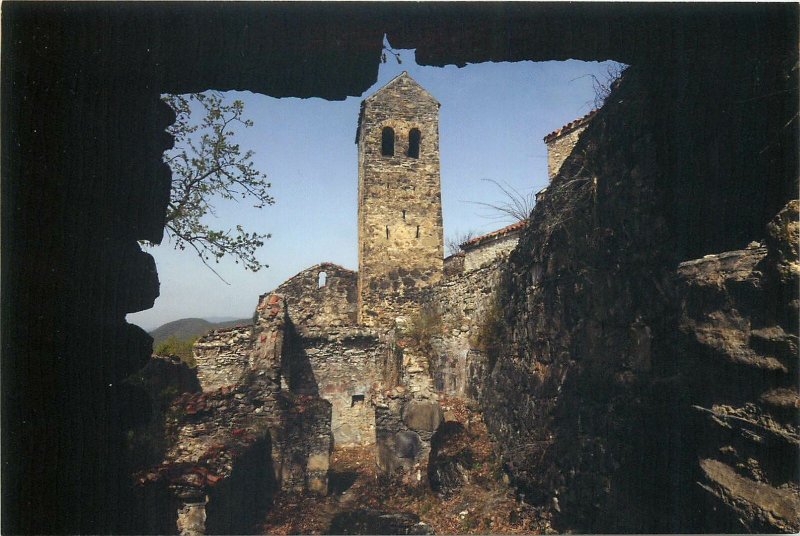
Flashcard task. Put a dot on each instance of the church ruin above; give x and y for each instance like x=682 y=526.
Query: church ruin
x=624 y=419
x=334 y=357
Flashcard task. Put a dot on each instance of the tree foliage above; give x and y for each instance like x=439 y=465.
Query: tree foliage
x=179 y=347
x=207 y=166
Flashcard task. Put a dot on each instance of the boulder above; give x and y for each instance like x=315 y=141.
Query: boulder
x=407 y=444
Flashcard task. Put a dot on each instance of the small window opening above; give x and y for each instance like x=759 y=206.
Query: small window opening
x=413 y=143
x=387 y=141
x=404 y=214
x=387 y=231
x=322 y=279
x=356 y=400
x=417 y=231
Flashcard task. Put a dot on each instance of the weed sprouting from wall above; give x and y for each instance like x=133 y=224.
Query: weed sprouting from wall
x=604 y=84
x=490 y=333
x=423 y=327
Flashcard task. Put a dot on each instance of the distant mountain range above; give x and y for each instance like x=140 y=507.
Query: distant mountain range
x=191 y=327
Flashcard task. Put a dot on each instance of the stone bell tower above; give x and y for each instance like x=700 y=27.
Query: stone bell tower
x=400 y=242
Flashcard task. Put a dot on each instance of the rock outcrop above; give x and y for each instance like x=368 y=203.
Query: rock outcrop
x=739 y=312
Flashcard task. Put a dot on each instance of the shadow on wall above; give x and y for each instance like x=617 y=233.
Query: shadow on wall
x=240 y=503
x=296 y=366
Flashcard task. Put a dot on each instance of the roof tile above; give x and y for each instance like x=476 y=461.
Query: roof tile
x=569 y=127
x=508 y=229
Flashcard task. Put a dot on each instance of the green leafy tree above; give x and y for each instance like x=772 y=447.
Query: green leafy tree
x=207 y=166
x=182 y=348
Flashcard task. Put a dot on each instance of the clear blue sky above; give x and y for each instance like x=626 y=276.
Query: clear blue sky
x=493 y=117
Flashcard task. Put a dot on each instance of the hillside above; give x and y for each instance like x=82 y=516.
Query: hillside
x=190 y=327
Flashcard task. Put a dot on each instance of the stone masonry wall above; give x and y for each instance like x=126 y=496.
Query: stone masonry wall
x=454 y=265
x=345 y=366
x=560 y=147
x=222 y=356
x=215 y=434
x=464 y=306
x=633 y=392
x=405 y=424
x=739 y=312
x=399 y=201
x=321 y=296
x=302 y=443
x=489 y=251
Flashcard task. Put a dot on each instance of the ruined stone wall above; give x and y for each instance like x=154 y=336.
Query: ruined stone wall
x=739 y=312
x=489 y=251
x=454 y=265
x=465 y=308
x=622 y=381
x=345 y=366
x=559 y=147
x=321 y=296
x=300 y=423
x=233 y=446
x=405 y=423
x=222 y=356
x=399 y=201
x=302 y=443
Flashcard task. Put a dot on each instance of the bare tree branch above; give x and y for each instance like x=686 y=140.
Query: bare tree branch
x=515 y=204
x=454 y=242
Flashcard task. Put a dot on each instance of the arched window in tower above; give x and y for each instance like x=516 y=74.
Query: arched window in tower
x=413 y=143
x=387 y=141
x=322 y=279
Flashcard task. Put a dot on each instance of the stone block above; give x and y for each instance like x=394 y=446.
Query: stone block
x=407 y=444
x=318 y=462
x=385 y=458
x=317 y=484
x=192 y=519
x=423 y=416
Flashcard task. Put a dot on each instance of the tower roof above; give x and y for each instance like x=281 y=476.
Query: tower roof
x=404 y=76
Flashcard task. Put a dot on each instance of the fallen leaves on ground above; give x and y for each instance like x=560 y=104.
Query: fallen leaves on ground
x=484 y=505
